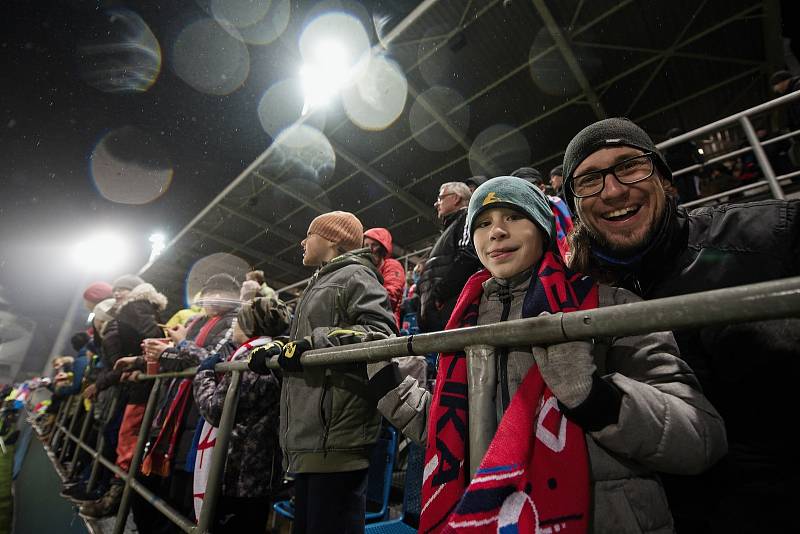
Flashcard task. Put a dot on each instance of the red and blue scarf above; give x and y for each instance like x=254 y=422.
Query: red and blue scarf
x=535 y=474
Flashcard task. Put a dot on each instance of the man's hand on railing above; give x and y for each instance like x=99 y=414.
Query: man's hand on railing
x=125 y=362
x=90 y=392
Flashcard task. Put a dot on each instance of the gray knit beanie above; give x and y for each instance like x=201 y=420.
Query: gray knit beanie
x=616 y=131
x=127 y=281
x=515 y=193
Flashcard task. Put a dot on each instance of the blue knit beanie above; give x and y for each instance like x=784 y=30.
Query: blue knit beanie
x=517 y=194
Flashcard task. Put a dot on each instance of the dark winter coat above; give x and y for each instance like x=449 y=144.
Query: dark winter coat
x=136 y=319
x=188 y=354
x=451 y=262
x=253 y=464
x=748 y=371
x=329 y=422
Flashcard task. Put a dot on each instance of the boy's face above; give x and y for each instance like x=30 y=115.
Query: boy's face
x=507 y=242
x=317 y=250
x=218 y=302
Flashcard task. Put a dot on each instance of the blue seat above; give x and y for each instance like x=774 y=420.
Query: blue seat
x=379 y=479
x=412 y=498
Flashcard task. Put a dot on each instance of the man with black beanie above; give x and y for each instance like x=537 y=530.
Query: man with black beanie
x=629 y=233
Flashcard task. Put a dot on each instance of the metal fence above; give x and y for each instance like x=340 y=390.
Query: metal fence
x=762 y=301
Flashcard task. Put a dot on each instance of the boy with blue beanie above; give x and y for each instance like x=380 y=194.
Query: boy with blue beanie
x=573 y=431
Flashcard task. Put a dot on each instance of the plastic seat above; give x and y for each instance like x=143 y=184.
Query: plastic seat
x=412 y=505
x=379 y=481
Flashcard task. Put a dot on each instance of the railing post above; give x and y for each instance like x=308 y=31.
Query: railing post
x=138 y=452
x=71 y=429
x=87 y=421
x=481 y=372
x=63 y=410
x=101 y=441
x=219 y=455
x=761 y=156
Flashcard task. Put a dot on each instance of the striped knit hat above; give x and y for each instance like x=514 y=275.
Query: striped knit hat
x=340 y=227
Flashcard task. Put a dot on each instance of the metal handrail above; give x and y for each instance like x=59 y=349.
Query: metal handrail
x=761 y=301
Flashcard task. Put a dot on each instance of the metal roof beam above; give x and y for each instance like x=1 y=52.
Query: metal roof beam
x=569 y=56
x=275 y=262
x=422 y=209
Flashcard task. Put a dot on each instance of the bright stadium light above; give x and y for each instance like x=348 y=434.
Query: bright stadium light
x=158 y=242
x=100 y=252
x=325 y=74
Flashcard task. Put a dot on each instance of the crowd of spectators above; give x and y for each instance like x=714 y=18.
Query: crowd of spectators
x=641 y=416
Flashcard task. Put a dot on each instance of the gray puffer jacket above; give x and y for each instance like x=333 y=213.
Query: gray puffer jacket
x=329 y=422
x=664 y=421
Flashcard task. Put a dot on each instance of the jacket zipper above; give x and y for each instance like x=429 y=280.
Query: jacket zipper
x=324 y=420
x=505 y=397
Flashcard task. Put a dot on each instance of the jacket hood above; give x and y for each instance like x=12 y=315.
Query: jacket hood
x=147 y=293
x=382 y=236
x=359 y=256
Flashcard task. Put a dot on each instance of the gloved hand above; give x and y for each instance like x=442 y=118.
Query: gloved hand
x=259 y=357
x=289 y=360
x=209 y=363
x=567 y=369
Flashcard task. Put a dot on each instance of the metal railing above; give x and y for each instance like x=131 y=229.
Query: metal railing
x=762 y=301
x=756 y=146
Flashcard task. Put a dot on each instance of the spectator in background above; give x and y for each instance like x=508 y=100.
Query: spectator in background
x=329 y=423
x=253 y=471
x=474 y=181
x=560 y=209
x=182 y=317
x=679 y=157
x=557 y=181
x=137 y=317
x=379 y=241
x=168 y=464
x=95 y=293
x=255 y=285
x=782 y=83
x=631 y=235
x=451 y=261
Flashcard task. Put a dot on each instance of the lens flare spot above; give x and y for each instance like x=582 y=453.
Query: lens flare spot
x=209 y=59
x=122 y=57
x=128 y=167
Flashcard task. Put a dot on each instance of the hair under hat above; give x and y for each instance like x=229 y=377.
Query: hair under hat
x=515 y=193
x=617 y=131
x=127 y=281
x=340 y=227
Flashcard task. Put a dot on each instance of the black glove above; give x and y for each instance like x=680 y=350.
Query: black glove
x=289 y=360
x=259 y=357
x=209 y=363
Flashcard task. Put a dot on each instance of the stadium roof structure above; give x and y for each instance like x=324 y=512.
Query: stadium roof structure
x=491 y=86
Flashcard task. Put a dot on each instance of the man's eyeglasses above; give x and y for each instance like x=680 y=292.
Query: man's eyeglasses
x=442 y=197
x=627 y=172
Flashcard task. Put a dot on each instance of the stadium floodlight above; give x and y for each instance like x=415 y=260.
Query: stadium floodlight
x=158 y=242
x=86 y=253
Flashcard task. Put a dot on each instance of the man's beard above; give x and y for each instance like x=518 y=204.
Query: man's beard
x=627 y=249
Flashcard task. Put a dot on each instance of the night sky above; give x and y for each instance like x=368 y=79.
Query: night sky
x=76 y=74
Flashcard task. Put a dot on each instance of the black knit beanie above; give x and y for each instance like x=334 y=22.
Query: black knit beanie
x=779 y=76
x=617 y=131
